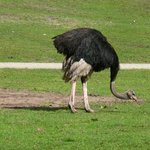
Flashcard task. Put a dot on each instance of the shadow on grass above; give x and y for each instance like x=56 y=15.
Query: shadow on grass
x=54 y=109
x=39 y=108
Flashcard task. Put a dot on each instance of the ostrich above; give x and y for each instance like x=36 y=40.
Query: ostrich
x=87 y=50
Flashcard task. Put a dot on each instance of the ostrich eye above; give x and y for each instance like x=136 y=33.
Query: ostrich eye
x=133 y=93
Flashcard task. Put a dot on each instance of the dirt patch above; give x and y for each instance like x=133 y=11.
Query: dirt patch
x=12 y=98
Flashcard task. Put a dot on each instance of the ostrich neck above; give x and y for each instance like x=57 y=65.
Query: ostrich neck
x=118 y=95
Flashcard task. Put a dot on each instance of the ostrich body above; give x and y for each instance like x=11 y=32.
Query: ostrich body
x=86 y=51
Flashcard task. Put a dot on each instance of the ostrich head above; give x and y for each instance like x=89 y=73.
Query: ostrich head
x=127 y=95
x=131 y=95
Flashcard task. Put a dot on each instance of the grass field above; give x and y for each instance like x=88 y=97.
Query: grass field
x=26 y=27
x=115 y=126
x=50 y=80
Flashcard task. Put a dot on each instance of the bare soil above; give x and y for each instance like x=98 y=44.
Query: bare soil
x=18 y=99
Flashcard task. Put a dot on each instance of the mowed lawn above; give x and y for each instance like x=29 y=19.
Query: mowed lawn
x=27 y=26
x=119 y=126
x=98 y=84
x=26 y=29
x=116 y=126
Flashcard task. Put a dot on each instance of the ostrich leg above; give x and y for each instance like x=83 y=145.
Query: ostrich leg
x=72 y=97
x=85 y=95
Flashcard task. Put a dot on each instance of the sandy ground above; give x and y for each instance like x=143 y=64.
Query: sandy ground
x=22 y=99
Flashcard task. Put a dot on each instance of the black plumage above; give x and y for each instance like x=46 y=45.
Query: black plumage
x=87 y=50
x=91 y=45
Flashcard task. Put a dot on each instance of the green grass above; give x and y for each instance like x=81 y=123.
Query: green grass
x=26 y=27
x=119 y=126
x=50 y=80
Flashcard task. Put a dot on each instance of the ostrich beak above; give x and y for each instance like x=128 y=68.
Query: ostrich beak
x=134 y=98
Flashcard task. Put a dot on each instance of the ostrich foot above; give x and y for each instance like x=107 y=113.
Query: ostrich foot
x=89 y=110
x=72 y=108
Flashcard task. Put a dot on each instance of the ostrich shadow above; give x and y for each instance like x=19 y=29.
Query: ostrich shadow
x=38 y=108
x=54 y=109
